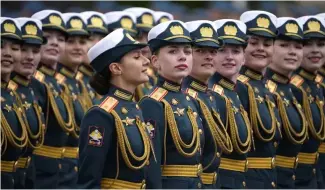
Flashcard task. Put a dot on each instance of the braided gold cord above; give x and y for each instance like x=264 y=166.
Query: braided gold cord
x=85 y=97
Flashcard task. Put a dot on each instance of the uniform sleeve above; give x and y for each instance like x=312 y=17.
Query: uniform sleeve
x=92 y=152
x=242 y=92
x=153 y=112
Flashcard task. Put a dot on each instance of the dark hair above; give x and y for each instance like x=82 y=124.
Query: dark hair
x=100 y=82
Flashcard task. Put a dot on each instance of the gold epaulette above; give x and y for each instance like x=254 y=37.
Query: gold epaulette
x=218 y=89
x=12 y=85
x=109 y=104
x=158 y=94
x=243 y=79
x=59 y=78
x=271 y=86
x=39 y=76
x=79 y=75
x=319 y=78
x=297 y=80
x=191 y=92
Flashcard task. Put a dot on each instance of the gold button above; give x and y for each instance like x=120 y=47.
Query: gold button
x=296 y=162
x=273 y=184
x=188 y=98
x=218 y=154
x=211 y=99
x=273 y=162
x=275 y=144
x=244 y=184
x=60 y=166
x=200 y=131
x=76 y=168
x=199 y=185
x=293 y=177
x=143 y=186
x=199 y=170
x=67 y=133
x=314 y=171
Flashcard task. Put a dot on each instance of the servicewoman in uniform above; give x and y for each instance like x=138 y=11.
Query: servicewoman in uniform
x=121 y=19
x=144 y=22
x=97 y=28
x=321 y=150
x=33 y=39
x=217 y=140
x=229 y=60
x=55 y=107
x=14 y=137
x=114 y=141
x=177 y=130
x=75 y=48
x=311 y=96
x=258 y=101
x=287 y=57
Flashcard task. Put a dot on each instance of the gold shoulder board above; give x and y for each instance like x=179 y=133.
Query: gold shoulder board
x=218 y=89
x=109 y=104
x=79 y=75
x=271 y=86
x=158 y=94
x=319 y=79
x=297 y=80
x=243 y=79
x=12 y=85
x=60 y=78
x=39 y=76
x=191 y=92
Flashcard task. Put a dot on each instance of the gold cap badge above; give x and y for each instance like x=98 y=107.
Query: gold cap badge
x=164 y=19
x=176 y=30
x=96 y=21
x=230 y=30
x=76 y=23
x=206 y=32
x=55 y=20
x=10 y=28
x=147 y=19
x=292 y=28
x=314 y=26
x=263 y=22
x=31 y=29
x=126 y=23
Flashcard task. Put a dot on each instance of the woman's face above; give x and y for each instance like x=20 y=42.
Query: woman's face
x=10 y=55
x=174 y=62
x=75 y=49
x=287 y=56
x=133 y=66
x=229 y=60
x=30 y=58
x=91 y=41
x=258 y=53
x=55 y=45
x=203 y=66
x=314 y=55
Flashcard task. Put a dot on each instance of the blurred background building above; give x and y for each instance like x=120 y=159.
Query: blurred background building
x=182 y=10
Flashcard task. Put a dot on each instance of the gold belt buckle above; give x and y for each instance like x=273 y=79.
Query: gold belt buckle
x=273 y=163
x=199 y=170
x=143 y=185
x=246 y=166
x=296 y=162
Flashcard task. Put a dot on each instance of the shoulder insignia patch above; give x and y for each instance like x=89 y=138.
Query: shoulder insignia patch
x=60 y=78
x=297 y=80
x=109 y=104
x=158 y=94
x=319 y=79
x=218 y=89
x=191 y=92
x=243 y=79
x=79 y=75
x=271 y=86
x=39 y=76
x=12 y=85
x=96 y=136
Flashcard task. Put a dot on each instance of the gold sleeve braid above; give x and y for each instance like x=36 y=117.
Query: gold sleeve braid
x=320 y=134
x=292 y=135
x=240 y=147
x=255 y=117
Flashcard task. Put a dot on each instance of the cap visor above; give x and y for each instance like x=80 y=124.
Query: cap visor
x=54 y=28
x=289 y=37
x=33 y=41
x=98 y=31
x=206 y=44
x=78 y=33
x=10 y=36
x=314 y=35
x=144 y=29
x=261 y=33
x=233 y=41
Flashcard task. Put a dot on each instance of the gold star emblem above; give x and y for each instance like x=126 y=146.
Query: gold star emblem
x=8 y=108
x=74 y=96
x=281 y=93
x=235 y=109
x=23 y=96
x=188 y=98
x=51 y=85
x=308 y=90
x=179 y=112
x=286 y=102
x=259 y=99
x=310 y=98
x=128 y=121
x=174 y=102
x=124 y=110
x=55 y=93
x=256 y=90
x=211 y=98
x=26 y=105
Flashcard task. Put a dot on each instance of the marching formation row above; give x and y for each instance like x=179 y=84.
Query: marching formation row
x=135 y=99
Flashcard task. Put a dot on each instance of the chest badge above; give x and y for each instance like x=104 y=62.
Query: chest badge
x=188 y=98
x=179 y=111
x=124 y=110
x=260 y=99
x=22 y=96
x=310 y=98
x=174 y=102
x=128 y=121
x=286 y=102
x=74 y=96
x=235 y=109
x=256 y=90
x=281 y=93
x=8 y=108
x=26 y=105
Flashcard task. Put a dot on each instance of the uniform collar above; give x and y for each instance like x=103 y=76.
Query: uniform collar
x=276 y=76
x=4 y=84
x=20 y=79
x=255 y=75
x=223 y=81
x=47 y=70
x=322 y=70
x=168 y=85
x=66 y=71
x=195 y=84
x=87 y=70
x=120 y=93
x=306 y=74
